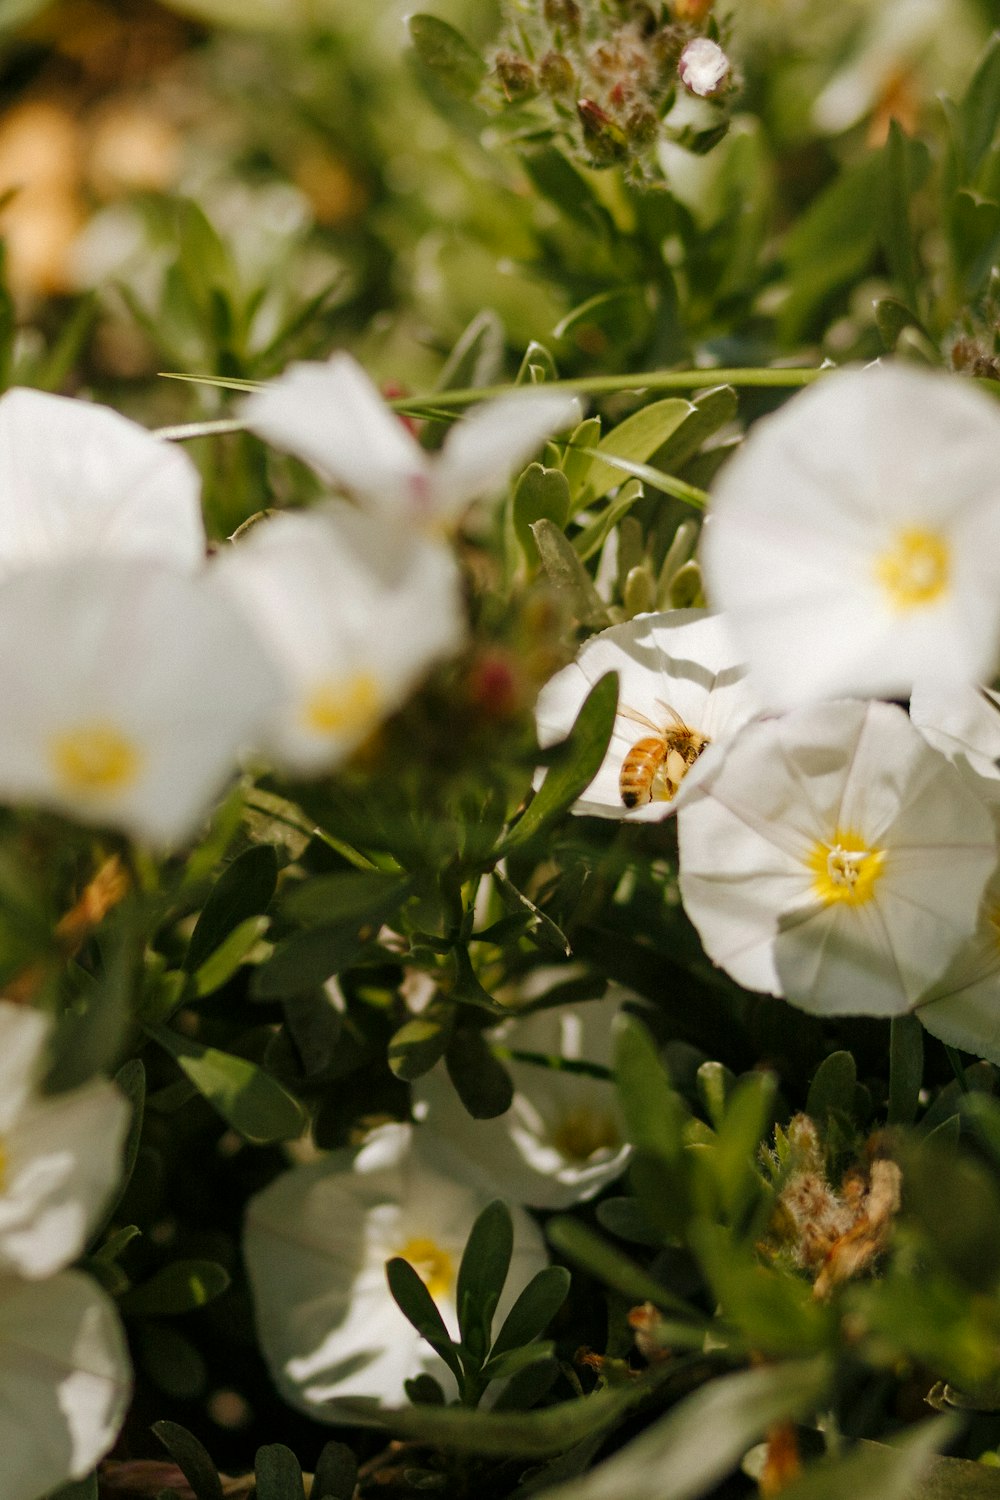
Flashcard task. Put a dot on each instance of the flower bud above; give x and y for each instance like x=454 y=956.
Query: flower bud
x=704 y=68
x=516 y=75
x=565 y=13
x=691 y=11
x=641 y=125
x=604 y=139
x=556 y=73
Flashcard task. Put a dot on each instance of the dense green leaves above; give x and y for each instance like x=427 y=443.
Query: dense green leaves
x=246 y=1096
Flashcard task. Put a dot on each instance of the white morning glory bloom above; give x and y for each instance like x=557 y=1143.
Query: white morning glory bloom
x=333 y=418
x=683 y=694
x=836 y=859
x=963 y=722
x=316 y=1243
x=65 y=1381
x=854 y=540
x=128 y=691
x=60 y=1154
x=81 y=480
x=963 y=1007
x=562 y=1140
x=353 y=616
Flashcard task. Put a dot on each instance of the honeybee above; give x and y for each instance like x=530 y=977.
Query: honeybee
x=659 y=761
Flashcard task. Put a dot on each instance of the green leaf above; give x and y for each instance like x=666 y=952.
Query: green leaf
x=131 y=1080
x=421 y=1042
x=834 y=241
x=229 y=956
x=278 y=1474
x=480 y=1079
x=250 y=1100
x=244 y=890
x=537 y=366
x=177 y=1288
x=576 y=459
x=504 y=1366
x=773 y=1308
x=690 y=1450
x=171 y=1361
x=191 y=1458
x=336 y=1473
x=906 y=163
x=749 y=1112
x=709 y=411
x=540 y=494
x=348 y=898
x=574 y=1239
x=906 y=1069
x=446 y=53
x=83 y=1489
x=892 y=317
x=956 y=1201
x=536 y=1306
x=979 y=111
x=542 y=929
x=655 y=1117
x=593 y=536
x=307 y=960
x=904 y=1471
x=580 y=758
x=482 y=1274
x=635 y=440
x=567 y=573
x=832 y=1088
x=568 y=190
x=418 y=1306
x=715 y=1083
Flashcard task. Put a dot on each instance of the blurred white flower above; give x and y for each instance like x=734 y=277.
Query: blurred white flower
x=353 y=616
x=963 y=722
x=854 y=541
x=60 y=1154
x=65 y=1381
x=332 y=416
x=703 y=67
x=963 y=1007
x=836 y=859
x=562 y=1139
x=81 y=480
x=682 y=695
x=128 y=691
x=316 y=1244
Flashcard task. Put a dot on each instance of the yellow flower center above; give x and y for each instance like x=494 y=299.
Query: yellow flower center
x=342 y=706
x=845 y=869
x=94 y=759
x=433 y=1265
x=915 y=570
x=583 y=1131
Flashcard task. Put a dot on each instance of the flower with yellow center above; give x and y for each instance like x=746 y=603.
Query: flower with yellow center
x=316 y=1243
x=129 y=690
x=352 y=614
x=854 y=541
x=836 y=859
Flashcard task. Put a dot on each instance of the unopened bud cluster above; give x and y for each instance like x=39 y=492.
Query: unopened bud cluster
x=608 y=74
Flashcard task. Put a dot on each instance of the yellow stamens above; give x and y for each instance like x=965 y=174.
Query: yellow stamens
x=583 y=1131
x=915 y=570
x=94 y=760
x=845 y=869
x=342 y=706
x=433 y=1265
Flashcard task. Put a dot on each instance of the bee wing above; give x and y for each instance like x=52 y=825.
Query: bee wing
x=674 y=719
x=637 y=718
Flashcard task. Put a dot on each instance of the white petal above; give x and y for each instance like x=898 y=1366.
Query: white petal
x=485 y=447
x=23 y=1035
x=960 y=720
x=81 y=480
x=155 y=659
x=64 y=1381
x=331 y=416
x=62 y=1162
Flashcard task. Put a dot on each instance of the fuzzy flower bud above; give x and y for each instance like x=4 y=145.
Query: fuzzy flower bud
x=691 y=11
x=516 y=75
x=704 y=68
x=556 y=73
x=565 y=13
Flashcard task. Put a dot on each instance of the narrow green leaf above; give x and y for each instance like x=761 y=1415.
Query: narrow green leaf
x=576 y=460
x=231 y=953
x=421 y=1042
x=307 y=960
x=247 y=1097
x=906 y=1470
x=177 y=1288
x=579 y=761
x=906 y=163
x=593 y=536
x=445 y=52
x=709 y=411
x=336 y=1473
x=543 y=930
x=635 y=440
x=503 y=1366
x=567 y=573
x=572 y=1238
x=534 y=1309
x=171 y=1361
x=715 y=1084
x=979 y=111
x=690 y=1450
x=278 y=1474
x=83 y=1489
x=131 y=1079
x=243 y=890
x=191 y=1458
x=655 y=1115
x=482 y=1274
x=480 y=1079
x=832 y=1088
x=418 y=1306
x=351 y=896
x=906 y=1069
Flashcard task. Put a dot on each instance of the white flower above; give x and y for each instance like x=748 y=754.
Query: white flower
x=331 y=416
x=963 y=1007
x=128 y=689
x=963 y=722
x=60 y=1154
x=836 y=859
x=703 y=67
x=353 y=616
x=65 y=1381
x=854 y=541
x=562 y=1139
x=81 y=480
x=316 y=1243
x=682 y=696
